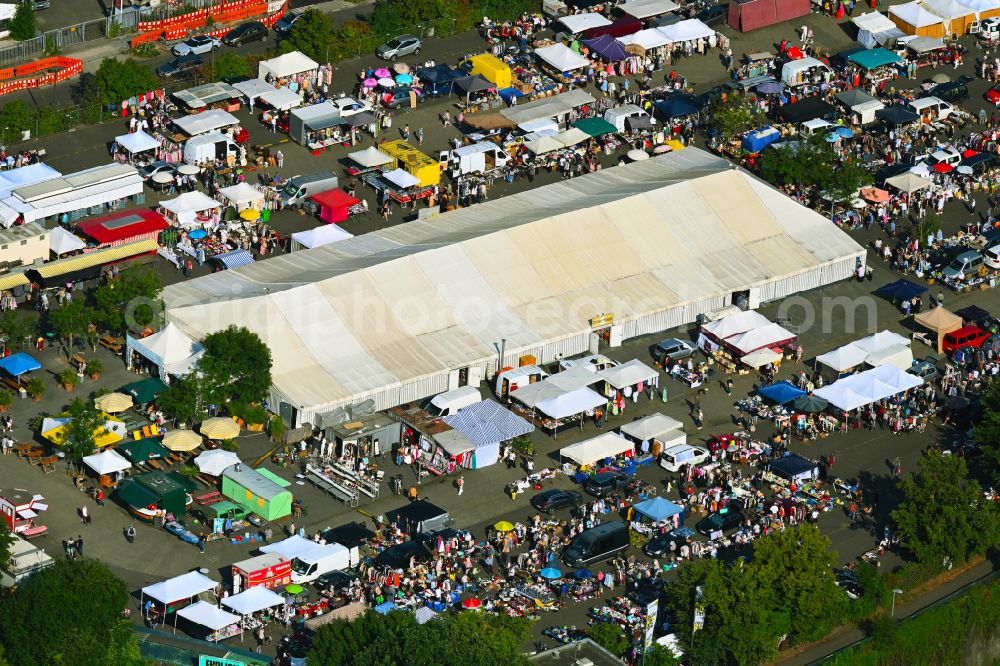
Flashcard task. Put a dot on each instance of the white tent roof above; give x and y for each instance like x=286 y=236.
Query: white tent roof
x=898 y=355
x=61 y=241
x=881 y=340
x=320 y=236
x=170 y=349
x=908 y=182
x=561 y=57
x=649 y=38
x=688 y=30
x=548 y=107
x=215 y=461
x=253 y=599
x=978 y=6
x=530 y=395
x=180 y=587
x=288 y=64
x=653 y=426
x=282 y=98
x=760 y=338
x=628 y=374
x=568 y=404
x=624 y=244
x=755 y=359
x=371 y=157
x=579 y=22
x=873 y=22
x=424 y=615
x=914 y=14
x=542 y=145
x=137 y=142
x=597 y=448
x=574 y=378
x=645 y=8
x=242 y=193
x=107 y=462
x=867 y=387
x=208 y=615
x=572 y=136
x=947 y=9
x=29 y=174
x=51 y=196
x=291 y=547
x=190 y=202
x=254 y=88
x=207 y=121
x=843 y=358
x=745 y=320
x=401 y=178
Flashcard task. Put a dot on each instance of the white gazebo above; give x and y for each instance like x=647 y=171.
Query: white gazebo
x=62 y=241
x=253 y=600
x=603 y=446
x=191 y=209
x=107 y=462
x=242 y=196
x=170 y=349
x=286 y=65
x=209 y=616
x=137 y=142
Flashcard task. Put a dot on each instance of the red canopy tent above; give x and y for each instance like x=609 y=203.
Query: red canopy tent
x=335 y=205
x=123 y=227
x=745 y=15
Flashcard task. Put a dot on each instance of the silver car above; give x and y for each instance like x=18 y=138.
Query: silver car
x=397 y=47
x=200 y=44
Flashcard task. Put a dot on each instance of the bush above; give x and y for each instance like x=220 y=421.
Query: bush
x=609 y=636
x=231 y=66
x=145 y=50
x=352 y=39
x=22 y=25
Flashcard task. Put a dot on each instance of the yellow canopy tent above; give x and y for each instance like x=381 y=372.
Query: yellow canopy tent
x=112 y=432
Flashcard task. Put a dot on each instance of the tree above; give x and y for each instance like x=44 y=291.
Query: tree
x=15 y=119
x=815 y=164
x=17 y=327
x=230 y=66
x=6 y=541
x=942 y=514
x=71 y=320
x=77 y=607
x=843 y=178
x=130 y=301
x=609 y=636
x=394 y=16
x=22 y=25
x=118 y=80
x=236 y=366
x=987 y=431
x=86 y=424
x=311 y=35
x=733 y=115
x=184 y=399
x=657 y=655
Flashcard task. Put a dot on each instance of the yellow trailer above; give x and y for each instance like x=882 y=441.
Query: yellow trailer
x=492 y=68
x=408 y=158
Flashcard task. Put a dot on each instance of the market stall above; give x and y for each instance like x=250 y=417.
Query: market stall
x=175 y=593
x=253 y=88
x=252 y=579
x=141 y=451
x=688 y=30
x=318 y=237
x=659 y=510
x=108 y=464
x=712 y=334
x=135 y=145
x=633 y=377
x=913 y=19
x=214 y=462
x=314 y=125
x=568 y=408
x=208 y=121
x=596 y=449
x=426 y=170
x=243 y=196
x=437 y=81
x=577 y=23
x=939 y=321
x=487 y=424
x=875 y=29
x=867 y=387
x=794 y=469
x=281 y=99
x=369 y=159
x=285 y=66
x=335 y=205
x=61 y=242
x=362 y=437
x=860 y=104
x=660 y=430
x=772 y=336
x=780 y=393
x=122 y=228
x=219 y=623
x=215 y=93
x=170 y=351
x=561 y=58
x=643 y=42
x=805 y=71
x=840 y=362
x=192 y=209
x=644 y=9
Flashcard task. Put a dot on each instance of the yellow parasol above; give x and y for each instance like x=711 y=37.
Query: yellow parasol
x=219 y=428
x=504 y=526
x=113 y=402
x=182 y=440
x=250 y=215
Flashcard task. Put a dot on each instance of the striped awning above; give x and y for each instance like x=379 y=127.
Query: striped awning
x=235 y=258
x=12 y=280
x=95 y=258
x=488 y=422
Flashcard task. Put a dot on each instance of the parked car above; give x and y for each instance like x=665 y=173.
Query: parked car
x=952 y=91
x=926 y=370
x=399 y=97
x=671 y=349
x=593 y=362
x=398 y=47
x=335 y=580
x=714 y=15
x=719 y=522
x=348 y=106
x=605 y=483
x=254 y=31
x=180 y=65
x=551 y=500
x=941 y=258
x=659 y=544
x=967 y=336
x=964 y=266
x=287 y=22
x=39 y=5
x=153 y=168
x=199 y=44
x=991 y=256
x=993 y=95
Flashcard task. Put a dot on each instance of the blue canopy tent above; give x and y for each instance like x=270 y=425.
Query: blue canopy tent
x=780 y=392
x=438 y=80
x=900 y=290
x=385 y=608
x=676 y=106
x=234 y=258
x=486 y=424
x=658 y=509
x=754 y=142
x=794 y=468
x=607 y=47
x=18 y=364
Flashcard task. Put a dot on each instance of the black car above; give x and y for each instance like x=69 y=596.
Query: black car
x=180 y=66
x=335 y=580
x=719 y=522
x=255 y=31
x=952 y=91
x=713 y=15
x=605 y=483
x=551 y=500
x=841 y=59
x=400 y=555
x=941 y=258
x=287 y=22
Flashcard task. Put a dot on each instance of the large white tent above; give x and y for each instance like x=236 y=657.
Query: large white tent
x=643 y=9
x=170 y=349
x=650 y=38
x=62 y=241
x=540 y=263
x=576 y=23
x=179 y=588
x=843 y=358
x=603 y=446
x=207 y=121
x=288 y=64
x=243 y=196
x=867 y=387
x=253 y=600
x=107 y=462
x=208 y=615
x=291 y=547
x=137 y=142
x=732 y=325
x=319 y=236
x=562 y=58
x=254 y=88
x=627 y=374
x=915 y=15
x=282 y=99
x=572 y=403
x=759 y=338
x=655 y=426
x=686 y=31
x=187 y=206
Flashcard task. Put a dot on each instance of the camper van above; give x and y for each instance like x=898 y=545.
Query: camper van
x=321 y=560
x=450 y=402
x=209 y=147
x=475 y=158
x=25 y=560
x=936 y=108
x=627 y=113
x=299 y=188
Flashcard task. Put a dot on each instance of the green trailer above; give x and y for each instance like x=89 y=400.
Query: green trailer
x=257 y=492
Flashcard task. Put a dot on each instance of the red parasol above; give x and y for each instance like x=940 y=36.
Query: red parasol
x=471 y=603
x=942 y=167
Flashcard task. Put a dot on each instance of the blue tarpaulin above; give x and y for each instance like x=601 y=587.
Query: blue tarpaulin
x=438 y=80
x=16 y=365
x=874 y=58
x=900 y=290
x=385 y=608
x=676 y=106
x=658 y=508
x=780 y=392
x=761 y=139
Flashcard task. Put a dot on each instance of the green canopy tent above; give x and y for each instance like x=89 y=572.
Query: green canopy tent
x=144 y=391
x=139 y=451
x=874 y=58
x=168 y=491
x=595 y=126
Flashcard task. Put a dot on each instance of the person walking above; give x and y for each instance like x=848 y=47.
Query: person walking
x=130 y=534
x=201 y=543
x=460 y=484
x=84 y=515
x=79 y=546
x=699 y=419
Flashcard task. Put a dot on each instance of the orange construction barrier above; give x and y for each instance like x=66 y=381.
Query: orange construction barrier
x=65 y=68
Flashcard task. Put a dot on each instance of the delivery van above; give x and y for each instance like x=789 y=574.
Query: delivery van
x=597 y=544
x=675 y=457
x=321 y=560
x=474 y=158
x=450 y=402
x=300 y=188
x=492 y=69
x=937 y=109
x=209 y=147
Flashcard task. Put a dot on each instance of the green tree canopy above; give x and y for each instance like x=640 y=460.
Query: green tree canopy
x=184 y=399
x=23 y=26
x=78 y=437
x=230 y=66
x=70 y=613
x=391 y=17
x=130 y=301
x=987 y=431
x=118 y=80
x=449 y=640
x=609 y=636
x=311 y=35
x=943 y=513
x=71 y=321
x=733 y=115
x=6 y=541
x=236 y=366
x=815 y=164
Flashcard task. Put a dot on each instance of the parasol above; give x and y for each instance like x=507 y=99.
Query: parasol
x=404 y=79
x=844 y=132
x=965 y=170
x=583 y=574
x=471 y=603
x=381 y=72
x=113 y=402
x=386 y=82
x=220 y=428
x=250 y=215
x=294 y=588
x=369 y=83
x=188 y=170
x=637 y=155
x=770 y=88
x=875 y=194
x=182 y=440
x=504 y=526
x=197 y=234
x=401 y=68
x=940 y=78
x=551 y=573
x=809 y=404
x=162 y=177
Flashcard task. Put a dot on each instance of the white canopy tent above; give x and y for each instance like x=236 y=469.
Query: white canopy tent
x=867 y=387
x=402 y=179
x=881 y=340
x=208 y=615
x=843 y=358
x=318 y=237
x=760 y=357
x=557 y=106
x=371 y=157
x=282 y=99
x=243 y=196
x=655 y=426
x=137 y=142
x=571 y=137
x=254 y=88
x=576 y=23
x=107 y=462
x=288 y=64
x=900 y=356
x=62 y=241
x=562 y=58
x=179 y=588
x=291 y=547
x=734 y=324
x=875 y=29
x=603 y=446
x=649 y=38
x=687 y=31
x=530 y=395
x=914 y=14
x=215 y=461
x=574 y=378
x=544 y=144
x=187 y=206
x=253 y=600
x=949 y=10
x=207 y=121
x=170 y=349
x=571 y=404
x=643 y=9
x=759 y=338
x=628 y=374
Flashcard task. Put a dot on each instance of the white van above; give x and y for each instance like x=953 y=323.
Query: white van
x=450 y=402
x=933 y=106
x=991 y=256
x=321 y=560
x=209 y=147
x=810 y=127
x=619 y=115
x=675 y=457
